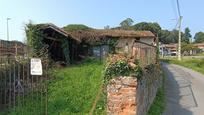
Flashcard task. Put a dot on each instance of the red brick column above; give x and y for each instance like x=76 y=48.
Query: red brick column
x=121 y=96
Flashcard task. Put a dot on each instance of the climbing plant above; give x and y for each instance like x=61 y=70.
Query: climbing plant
x=39 y=48
x=111 y=42
x=34 y=38
x=119 y=65
x=65 y=48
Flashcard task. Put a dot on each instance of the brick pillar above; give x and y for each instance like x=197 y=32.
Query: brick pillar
x=121 y=96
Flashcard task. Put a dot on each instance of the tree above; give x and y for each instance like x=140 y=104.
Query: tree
x=153 y=27
x=199 y=37
x=74 y=27
x=107 y=27
x=187 y=35
x=163 y=38
x=127 y=23
x=187 y=48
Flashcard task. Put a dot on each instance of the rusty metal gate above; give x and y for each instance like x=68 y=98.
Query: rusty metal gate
x=20 y=92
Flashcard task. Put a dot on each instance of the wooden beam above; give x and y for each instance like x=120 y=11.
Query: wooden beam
x=51 y=38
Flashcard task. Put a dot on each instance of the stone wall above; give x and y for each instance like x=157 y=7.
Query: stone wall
x=129 y=96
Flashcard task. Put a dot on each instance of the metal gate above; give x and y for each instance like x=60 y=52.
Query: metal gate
x=20 y=92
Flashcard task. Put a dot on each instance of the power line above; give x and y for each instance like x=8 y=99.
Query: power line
x=174 y=8
x=176 y=26
x=178 y=7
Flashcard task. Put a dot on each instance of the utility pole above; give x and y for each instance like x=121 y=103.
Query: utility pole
x=179 y=40
x=7 y=25
x=179 y=27
x=7 y=19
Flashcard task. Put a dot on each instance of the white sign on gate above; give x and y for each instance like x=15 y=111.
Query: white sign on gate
x=36 y=66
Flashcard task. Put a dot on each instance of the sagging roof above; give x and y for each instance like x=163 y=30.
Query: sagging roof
x=57 y=29
x=93 y=35
x=101 y=33
x=4 y=43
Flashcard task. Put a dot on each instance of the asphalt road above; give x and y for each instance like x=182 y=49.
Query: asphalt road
x=184 y=91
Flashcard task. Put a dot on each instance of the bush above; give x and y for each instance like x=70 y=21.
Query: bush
x=119 y=65
x=74 y=27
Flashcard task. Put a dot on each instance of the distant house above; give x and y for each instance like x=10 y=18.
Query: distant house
x=168 y=49
x=200 y=46
x=12 y=48
x=172 y=49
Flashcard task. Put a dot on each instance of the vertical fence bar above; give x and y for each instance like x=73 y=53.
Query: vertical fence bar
x=46 y=83
x=23 y=85
x=37 y=90
x=1 y=85
x=17 y=85
x=5 y=82
x=14 y=89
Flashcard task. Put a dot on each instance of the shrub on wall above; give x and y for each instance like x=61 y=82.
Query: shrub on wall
x=119 y=65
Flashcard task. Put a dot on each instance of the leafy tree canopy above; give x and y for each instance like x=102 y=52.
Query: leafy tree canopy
x=153 y=27
x=127 y=23
x=74 y=27
x=187 y=35
x=199 y=37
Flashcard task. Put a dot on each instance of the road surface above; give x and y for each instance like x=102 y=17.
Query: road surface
x=184 y=91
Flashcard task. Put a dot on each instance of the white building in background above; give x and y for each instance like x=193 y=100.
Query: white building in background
x=200 y=46
x=168 y=49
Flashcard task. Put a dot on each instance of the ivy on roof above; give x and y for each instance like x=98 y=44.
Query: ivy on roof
x=75 y=27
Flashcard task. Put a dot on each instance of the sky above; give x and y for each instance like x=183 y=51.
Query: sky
x=97 y=13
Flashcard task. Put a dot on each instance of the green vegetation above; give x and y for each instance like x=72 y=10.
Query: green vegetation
x=159 y=102
x=127 y=23
x=200 y=54
x=65 y=49
x=74 y=27
x=100 y=108
x=195 y=64
x=34 y=37
x=186 y=48
x=165 y=36
x=72 y=91
x=153 y=27
x=119 y=65
x=199 y=37
x=28 y=106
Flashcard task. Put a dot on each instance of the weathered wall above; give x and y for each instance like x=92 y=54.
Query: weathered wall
x=147 y=40
x=129 y=96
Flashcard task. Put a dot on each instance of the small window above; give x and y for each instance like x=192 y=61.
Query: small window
x=138 y=38
x=126 y=48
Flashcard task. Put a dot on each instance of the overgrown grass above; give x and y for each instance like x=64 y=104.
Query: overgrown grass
x=200 y=54
x=72 y=91
x=195 y=64
x=159 y=102
x=101 y=104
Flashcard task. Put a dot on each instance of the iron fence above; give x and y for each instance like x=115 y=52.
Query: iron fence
x=20 y=92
